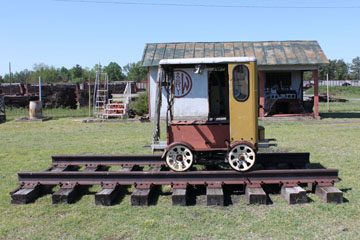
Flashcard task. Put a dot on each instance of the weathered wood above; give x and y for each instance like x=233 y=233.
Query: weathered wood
x=66 y=195
x=329 y=194
x=294 y=195
x=141 y=197
x=179 y=197
x=25 y=195
x=214 y=196
x=107 y=196
x=255 y=195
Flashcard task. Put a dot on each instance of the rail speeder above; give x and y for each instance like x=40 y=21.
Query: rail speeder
x=230 y=133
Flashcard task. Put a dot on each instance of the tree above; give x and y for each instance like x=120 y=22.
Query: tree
x=64 y=75
x=135 y=72
x=342 y=70
x=1 y=79
x=114 y=72
x=22 y=76
x=355 y=68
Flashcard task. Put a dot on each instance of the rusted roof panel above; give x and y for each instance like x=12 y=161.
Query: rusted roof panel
x=189 y=50
x=267 y=53
x=199 y=50
x=209 y=49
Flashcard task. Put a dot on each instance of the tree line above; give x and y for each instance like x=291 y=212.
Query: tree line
x=76 y=74
x=338 y=69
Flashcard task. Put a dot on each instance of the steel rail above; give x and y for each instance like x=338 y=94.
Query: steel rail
x=291 y=176
x=299 y=159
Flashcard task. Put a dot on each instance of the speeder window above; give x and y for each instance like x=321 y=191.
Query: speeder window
x=241 y=83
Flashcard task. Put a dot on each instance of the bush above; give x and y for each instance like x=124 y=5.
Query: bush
x=141 y=104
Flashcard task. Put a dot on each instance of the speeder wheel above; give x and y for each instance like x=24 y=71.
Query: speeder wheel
x=241 y=157
x=179 y=158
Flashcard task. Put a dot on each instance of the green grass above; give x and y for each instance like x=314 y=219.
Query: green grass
x=28 y=147
x=338 y=91
x=16 y=113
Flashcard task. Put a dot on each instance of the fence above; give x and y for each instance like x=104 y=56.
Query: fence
x=353 y=83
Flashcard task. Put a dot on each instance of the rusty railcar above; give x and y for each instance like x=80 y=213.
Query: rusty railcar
x=231 y=132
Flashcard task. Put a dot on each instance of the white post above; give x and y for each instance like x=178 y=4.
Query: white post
x=327 y=92
x=40 y=88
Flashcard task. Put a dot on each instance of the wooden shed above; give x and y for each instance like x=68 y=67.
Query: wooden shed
x=281 y=65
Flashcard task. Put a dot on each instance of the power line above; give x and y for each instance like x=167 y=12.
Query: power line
x=205 y=5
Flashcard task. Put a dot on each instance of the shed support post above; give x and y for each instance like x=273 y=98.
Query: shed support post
x=316 y=93
x=262 y=95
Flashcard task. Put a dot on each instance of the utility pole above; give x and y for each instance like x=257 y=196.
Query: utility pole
x=10 y=75
x=327 y=92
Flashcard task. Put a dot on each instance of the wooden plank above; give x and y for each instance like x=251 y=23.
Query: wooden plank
x=209 y=50
x=66 y=195
x=214 y=196
x=239 y=49
x=255 y=195
x=179 y=197
x=199 y=50
x=25 y=195
x=189 y=50
x=179 y=50
x=107 y=196
x=329 y=194
x=141 y=197
x=294 y=195
x=229 y=49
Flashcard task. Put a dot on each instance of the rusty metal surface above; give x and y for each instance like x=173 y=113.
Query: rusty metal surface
x=289 y=176
x=268 y=159
x=267 y=52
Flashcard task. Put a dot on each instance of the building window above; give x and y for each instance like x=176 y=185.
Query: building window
x=278 y=80
x=241 y=83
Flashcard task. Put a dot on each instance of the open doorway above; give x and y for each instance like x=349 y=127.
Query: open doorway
x=218 y=94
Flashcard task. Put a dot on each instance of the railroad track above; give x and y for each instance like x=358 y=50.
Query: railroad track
x=65 y=173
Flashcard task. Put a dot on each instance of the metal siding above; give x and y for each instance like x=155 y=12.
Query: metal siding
x=290 y=55
x=149 y=55
x=229 y=49
x=170 y=51
x=321 y=55
x=209 y=49
x=279 y=53
x=199 y=50
x=159 y=53
x=219 y=50
x=269 y=53
x=299 y=52
x=248 y=49
x=259 y=52
x=239 y=49
x=189 y=50
x=179 y=50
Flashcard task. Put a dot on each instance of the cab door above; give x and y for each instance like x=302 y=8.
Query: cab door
x=243 y=101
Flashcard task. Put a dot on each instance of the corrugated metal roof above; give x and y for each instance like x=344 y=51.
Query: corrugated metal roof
x=267 y=53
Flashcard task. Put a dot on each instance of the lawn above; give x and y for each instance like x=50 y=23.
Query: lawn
x=333 y=142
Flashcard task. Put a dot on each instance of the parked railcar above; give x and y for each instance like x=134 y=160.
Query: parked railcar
x=230 y=133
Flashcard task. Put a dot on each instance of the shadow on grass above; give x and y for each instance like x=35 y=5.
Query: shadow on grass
x=315 y=166
x=340 y=115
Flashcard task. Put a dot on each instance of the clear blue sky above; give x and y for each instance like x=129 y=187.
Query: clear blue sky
x=62 y=33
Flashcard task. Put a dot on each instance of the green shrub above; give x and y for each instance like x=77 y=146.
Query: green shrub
x=141 y=104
